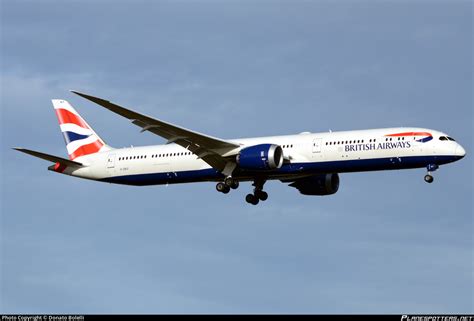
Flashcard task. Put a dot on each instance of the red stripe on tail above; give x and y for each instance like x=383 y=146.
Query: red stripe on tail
x=86 y=149
x=66 y=117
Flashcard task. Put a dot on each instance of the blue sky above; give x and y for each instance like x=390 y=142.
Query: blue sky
x=386 y=242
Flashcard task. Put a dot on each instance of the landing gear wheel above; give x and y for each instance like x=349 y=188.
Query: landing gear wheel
x=250 y=198
x=261 y=195
x=228 y=181
x=231 y=182
x=223 y=188
x=429 y=178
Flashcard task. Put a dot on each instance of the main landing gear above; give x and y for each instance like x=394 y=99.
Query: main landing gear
x=229 y=182
x=258 y=193
x=431 y=168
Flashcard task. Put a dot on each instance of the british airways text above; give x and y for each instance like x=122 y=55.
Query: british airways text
x=373 y=146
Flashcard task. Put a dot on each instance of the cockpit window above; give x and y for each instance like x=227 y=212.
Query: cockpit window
x=446 y=138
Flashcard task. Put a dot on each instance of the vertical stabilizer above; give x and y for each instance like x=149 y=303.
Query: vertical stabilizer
x=79 y=137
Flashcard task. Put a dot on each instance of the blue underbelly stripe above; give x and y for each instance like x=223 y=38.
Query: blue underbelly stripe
x=342 y=166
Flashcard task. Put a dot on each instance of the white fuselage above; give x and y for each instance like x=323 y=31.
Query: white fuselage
x=305 y=154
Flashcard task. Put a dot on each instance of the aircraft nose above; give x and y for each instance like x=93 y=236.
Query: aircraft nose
x=460 y=151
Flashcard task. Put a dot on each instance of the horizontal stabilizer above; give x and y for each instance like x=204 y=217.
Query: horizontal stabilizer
x=48 y=157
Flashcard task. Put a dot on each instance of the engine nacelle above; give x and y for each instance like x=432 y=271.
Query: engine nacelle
x=325 y=184
x=261 y=157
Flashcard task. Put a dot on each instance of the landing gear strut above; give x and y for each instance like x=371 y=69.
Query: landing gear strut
x=258 y=193
x=431 y=168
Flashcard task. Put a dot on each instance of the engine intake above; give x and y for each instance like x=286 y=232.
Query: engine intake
x=325 y=184
x=261 y=157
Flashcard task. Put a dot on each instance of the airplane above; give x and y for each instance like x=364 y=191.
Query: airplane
x=309 y=162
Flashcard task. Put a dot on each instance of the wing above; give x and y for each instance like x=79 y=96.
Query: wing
x=208 y=148
x=48 y=157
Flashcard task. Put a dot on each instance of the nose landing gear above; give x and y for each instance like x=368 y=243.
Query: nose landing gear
x=429 y=178
x=431 y=168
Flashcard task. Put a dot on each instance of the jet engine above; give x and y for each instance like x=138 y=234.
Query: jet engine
x=325 y=184
x=260 y=157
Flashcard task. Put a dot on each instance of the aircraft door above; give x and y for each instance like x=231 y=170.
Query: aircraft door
x=111 y=161
x=317 y=145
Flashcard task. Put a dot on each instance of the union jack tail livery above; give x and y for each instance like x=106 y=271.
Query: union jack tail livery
x=80 y=138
